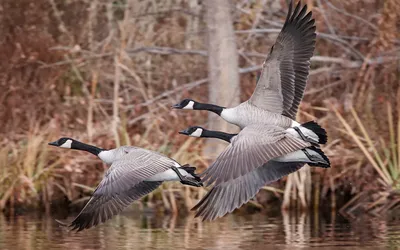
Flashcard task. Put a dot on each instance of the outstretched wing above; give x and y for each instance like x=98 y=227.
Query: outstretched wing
x=228 y=196
x=123 y=183
x=285 y=71
x=254 y=146
x=102 y=207
x=131 y=169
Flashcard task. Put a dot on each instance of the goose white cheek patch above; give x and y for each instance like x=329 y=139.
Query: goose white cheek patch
x=66 y=144
x=197 y=133
x=189 y=105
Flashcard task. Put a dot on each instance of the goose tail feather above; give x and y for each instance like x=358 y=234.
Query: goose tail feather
x=323 y=161
x=318 y=130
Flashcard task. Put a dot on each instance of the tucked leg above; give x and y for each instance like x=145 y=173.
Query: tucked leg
x=186 y=181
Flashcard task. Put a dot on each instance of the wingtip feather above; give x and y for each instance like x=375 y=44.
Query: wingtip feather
x=61 y=223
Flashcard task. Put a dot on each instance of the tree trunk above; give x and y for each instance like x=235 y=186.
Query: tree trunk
x=223 y=69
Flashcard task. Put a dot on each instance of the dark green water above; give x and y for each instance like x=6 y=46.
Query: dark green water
x=258 y=231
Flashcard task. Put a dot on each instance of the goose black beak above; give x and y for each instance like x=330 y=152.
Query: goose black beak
x=184 y=132
x=176 y=106
x=54 y=143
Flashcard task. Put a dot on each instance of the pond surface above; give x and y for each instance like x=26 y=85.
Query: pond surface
x=257 y=231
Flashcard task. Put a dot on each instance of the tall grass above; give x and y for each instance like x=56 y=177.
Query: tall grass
x=382 y=153
x=27 y=171
x=110 y=76
x=385 y=158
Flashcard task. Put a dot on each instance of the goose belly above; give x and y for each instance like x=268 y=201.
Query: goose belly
x=168 y=175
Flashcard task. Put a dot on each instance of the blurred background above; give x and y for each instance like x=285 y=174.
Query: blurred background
x=107 y=72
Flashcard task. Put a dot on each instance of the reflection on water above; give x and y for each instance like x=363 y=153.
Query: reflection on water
x=259 y=231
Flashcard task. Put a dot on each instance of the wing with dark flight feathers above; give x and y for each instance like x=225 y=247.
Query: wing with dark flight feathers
x=283 y=79
x=228 y=196
x=102 y=207
x=254 y=146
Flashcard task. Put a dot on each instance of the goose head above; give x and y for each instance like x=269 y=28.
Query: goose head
x=63 y=142
x=194 y=131
x=66 y=142
x=185 y=104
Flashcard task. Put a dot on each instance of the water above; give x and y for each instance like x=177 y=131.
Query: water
x=258 y=231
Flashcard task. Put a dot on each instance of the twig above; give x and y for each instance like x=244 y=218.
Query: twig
x=321 y=9
x=91 y=24
x=314 y=91
x=335 y=38
x=116 y=100
x=374 y=27
x=141 y=117
x=258 y=31
x=348 y=47
x=194 y=84
x=166 y=51
x=186 y=86
x=72 y=61
x=255 y=23
x=343 y=62
x=61 y=26
x=245 y=57
x=154 y=50
x=273 y=23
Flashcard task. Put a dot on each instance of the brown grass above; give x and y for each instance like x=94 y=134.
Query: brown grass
x=107 y=72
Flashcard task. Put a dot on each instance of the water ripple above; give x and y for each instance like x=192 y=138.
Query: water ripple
x=132 y=231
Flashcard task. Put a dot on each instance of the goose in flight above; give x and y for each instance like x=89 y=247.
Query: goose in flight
x=281 y=85
x=245 y=182
x=269 y=134
x=134 y=172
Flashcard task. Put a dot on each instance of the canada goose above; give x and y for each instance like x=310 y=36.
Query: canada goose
x=281 y=85
x=319 y=135
x=311 y=155
x=226 y=196
x=134 y=172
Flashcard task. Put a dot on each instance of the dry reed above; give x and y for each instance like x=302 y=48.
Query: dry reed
x=107 y=72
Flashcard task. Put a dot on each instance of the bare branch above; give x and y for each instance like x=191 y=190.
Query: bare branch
x=337 y=39
x=374 y=27
x=322 y=11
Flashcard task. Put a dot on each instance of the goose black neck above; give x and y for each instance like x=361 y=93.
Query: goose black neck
x=86 y=147
x=218 y=134
x=209 y=107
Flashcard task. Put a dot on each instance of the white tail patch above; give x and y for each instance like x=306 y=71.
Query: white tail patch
x=294 y=124
x=306 y=132
x=309 y=133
